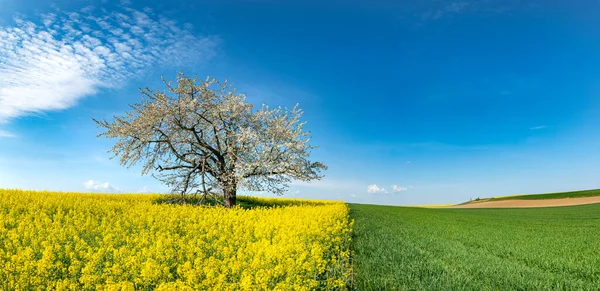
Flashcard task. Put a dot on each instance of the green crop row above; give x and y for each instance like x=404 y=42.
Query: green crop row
x=402 y=248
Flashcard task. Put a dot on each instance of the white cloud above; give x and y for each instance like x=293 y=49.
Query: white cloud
x=538 y=127
x=436 y=10
x=396 y=189
x=99 y=186
x=144 y=190
x=52 y=64
x=374 y=189
x=447 y=9
x=6 y=134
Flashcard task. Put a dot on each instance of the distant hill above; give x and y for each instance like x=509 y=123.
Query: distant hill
x=558 y=195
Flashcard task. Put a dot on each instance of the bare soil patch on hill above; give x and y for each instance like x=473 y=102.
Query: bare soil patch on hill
x=519 y=203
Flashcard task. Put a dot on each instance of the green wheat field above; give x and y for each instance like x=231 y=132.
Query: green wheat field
x=403 y=248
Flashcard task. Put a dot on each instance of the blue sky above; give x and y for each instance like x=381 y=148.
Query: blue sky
x=411 y=103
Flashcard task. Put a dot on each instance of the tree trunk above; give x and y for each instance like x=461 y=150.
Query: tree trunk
x=229 y=196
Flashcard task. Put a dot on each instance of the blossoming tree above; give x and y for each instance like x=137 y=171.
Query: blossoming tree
x=200 y=136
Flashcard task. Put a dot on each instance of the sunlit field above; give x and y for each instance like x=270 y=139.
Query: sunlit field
x=559 y=195
x=405 y=248
x=74 y=241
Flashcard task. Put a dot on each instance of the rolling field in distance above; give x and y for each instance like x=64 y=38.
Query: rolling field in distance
x=404 y=248
x=558 y=195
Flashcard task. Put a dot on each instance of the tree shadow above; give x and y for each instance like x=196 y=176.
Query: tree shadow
x=243 y=201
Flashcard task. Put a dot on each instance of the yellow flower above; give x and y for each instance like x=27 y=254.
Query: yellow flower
x=74 y=241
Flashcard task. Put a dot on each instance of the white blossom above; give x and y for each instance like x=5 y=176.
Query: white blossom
x=201 y=136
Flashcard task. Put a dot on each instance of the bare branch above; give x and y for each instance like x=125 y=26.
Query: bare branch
x=199 y=135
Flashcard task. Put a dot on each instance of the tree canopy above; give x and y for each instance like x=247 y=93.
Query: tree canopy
x=199 y=136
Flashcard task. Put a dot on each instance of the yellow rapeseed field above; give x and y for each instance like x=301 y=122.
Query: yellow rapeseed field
x=74 y=241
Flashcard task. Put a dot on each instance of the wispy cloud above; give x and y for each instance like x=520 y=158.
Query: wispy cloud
x=374 y=189
x=446 y=9
x=54 y=62
x=99 y=186
x=443 y=9
x=144 y=190
x=397 y=189
x=538 y=127
x=6 y=134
